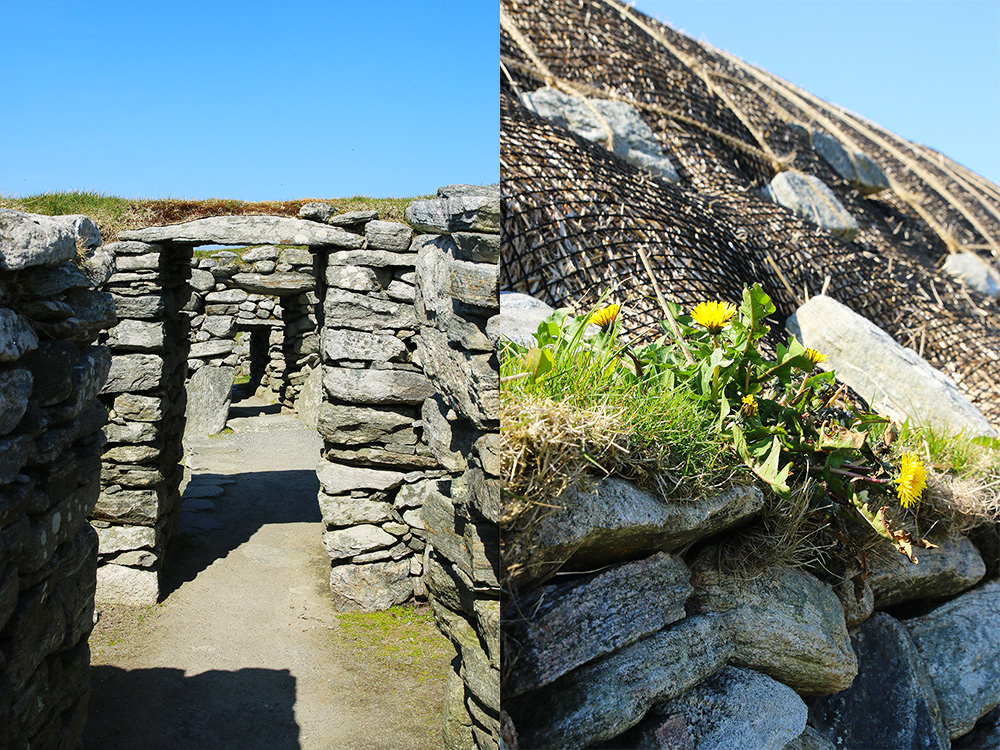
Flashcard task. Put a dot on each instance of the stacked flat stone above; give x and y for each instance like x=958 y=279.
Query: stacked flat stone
x=456 y=280
x=50 y=465
x=144 y=396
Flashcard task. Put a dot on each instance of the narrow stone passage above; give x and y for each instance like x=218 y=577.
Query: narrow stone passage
x=246 y=651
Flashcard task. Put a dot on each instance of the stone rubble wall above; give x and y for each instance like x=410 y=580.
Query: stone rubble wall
x=269 y=292
x=642 y=592
x=145 y=398
x=457 y=265
x=50 y=466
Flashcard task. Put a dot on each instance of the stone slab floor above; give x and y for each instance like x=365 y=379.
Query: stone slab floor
x=245 y=650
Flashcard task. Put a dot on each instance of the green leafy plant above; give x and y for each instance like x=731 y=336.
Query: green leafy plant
x=787 y=422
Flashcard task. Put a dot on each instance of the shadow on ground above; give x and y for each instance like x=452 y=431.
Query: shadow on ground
x=249 y=709
x=252 y=500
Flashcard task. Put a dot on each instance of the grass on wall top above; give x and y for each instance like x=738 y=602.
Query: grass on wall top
x=113 y=214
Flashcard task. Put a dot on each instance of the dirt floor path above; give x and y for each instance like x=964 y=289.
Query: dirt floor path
x=245 y=650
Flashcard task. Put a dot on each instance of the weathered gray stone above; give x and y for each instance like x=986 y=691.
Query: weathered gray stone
x=130 y=477
x=92 y=312
x=145 y=307
x=144 y=262
x=16 y=336
x=227 y=296
x=612 y=124
x=315 y=211
x=98 y=265
x=142 y=507
x=279 y=284
x=960 y=644
x=985 y=735
x=401 y=292
x=365 y=313
x=132 y=432
x=615 y=520
x=336 y=479
x=137 y=335
x=856 y=597
x=351 y=218
x=220 y=326
x=356 y=540
x=15 y=452
x=518 y=320
x=32 y=240
x=734 y=708
x=974 y=271
x=247 y=230
x=114 y=539
x=354 y=278
x=267 y=252
x=388 y=235
x=356 y=425
x=811 y=199
x=209 y=393
x=601 y=700
x=372 y=587
x=854 y=166
x=371 y=258
x=48 y=281
x=955 y=565
x=344 y=510
x=201 y=280
x=117 y=584
x=894 y=379
x=459 y=214
x=133 y=372
x=346 y=344
x=477 y=247
x=891 y=702
x=436 y=269
x=133 y=454
x=264 y=266
x=310 y=398
x=481 y=678
x=212 y=348
x=468 y=381
x=629 y=601
x=15 y=390
x=376 y=386
x=784 y=622
x=297 y=257
x=139 y=408
x=475 y=284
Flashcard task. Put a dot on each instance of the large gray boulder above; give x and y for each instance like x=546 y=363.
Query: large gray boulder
x=518 y=320
x=953 y=566
x=960 y=644
x=33 y=240
x=894 y=379
x=17 y=337
x=633 y=139
x=458 y=208
x=615 y=520
x=734 y=708
x=810 y=198
x=603 y=699
x=209 y=393
x=854 y=166
x=891 y=703
x=629 y=601
x=783 y=622
x=247 y=230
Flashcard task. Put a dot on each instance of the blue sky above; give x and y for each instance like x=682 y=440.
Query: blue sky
x=248 y=100
x=926 y=70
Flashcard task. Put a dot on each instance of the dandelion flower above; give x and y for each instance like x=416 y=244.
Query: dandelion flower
x=749 y=408
x=606 y=316
x=713 y=315
x=912 y=480
x=815 y=357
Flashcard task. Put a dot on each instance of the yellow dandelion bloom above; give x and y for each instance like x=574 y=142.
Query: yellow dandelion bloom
x=605 y=316
x=713 y=315
x=749 y=407
x=815 y=357
x=912 y=480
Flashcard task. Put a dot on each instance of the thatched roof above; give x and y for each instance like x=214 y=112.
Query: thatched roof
x=578 y=220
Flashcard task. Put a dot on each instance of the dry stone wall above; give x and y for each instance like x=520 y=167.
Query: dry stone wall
x=50 y=466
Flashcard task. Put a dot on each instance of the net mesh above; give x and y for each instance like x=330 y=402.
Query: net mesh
x=576 y=218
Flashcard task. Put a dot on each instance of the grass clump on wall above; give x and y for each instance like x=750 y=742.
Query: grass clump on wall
x=703 y=406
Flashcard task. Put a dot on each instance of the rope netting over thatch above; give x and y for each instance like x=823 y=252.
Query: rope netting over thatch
x=578 y=221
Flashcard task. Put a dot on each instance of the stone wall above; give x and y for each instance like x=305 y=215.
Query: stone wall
x=50 y=466
x=145 y=398
x=901 y=655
